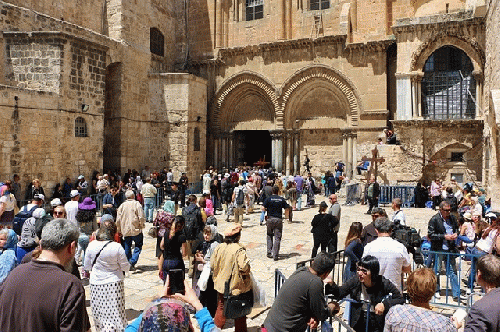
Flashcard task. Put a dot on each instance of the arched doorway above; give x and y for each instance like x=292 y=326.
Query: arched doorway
x=321 y=109
x=244 y=118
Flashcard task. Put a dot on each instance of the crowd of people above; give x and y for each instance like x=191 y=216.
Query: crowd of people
x=55 y=245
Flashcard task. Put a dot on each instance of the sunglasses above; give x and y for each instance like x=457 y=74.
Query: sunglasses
x=56 y=213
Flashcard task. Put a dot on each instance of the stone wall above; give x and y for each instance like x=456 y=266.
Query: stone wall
x=89 y=14
x=178 y=107
x=324 y=149
x=492 y=95
x=426 y=148
x=37 y=139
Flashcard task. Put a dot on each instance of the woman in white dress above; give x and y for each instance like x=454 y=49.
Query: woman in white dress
x=107 y=262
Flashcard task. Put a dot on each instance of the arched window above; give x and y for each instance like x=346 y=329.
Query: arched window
x=254 y=9
x=448 y=87
x=156 y=42
x=80 y=127
x=196 y=140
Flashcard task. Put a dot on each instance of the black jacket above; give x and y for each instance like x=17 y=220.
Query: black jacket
x=378 y=294
x=436 y=232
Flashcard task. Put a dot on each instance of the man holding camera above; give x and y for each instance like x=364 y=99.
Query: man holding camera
x=392 y=255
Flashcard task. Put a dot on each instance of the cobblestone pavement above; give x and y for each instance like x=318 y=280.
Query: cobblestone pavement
x=143 y=284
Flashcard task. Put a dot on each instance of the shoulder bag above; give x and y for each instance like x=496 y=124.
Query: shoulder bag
x=236 y=306
x=97 y=256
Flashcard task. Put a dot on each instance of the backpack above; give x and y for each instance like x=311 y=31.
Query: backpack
x=191 y=227
x=20 y=218
x=240 y=199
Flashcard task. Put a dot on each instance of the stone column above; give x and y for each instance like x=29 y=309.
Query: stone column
x=349 y=155
x=274 y=157
x=404 y=96
x=279 y=151
x=289 y=153
x=344 y=147
x=478 y=77
x=223 y=151
x=218 y=23
x=416 y=97
x=354 y=154
x=216 y=152
x=282 y=16
x=296 y=152
x=231 y=150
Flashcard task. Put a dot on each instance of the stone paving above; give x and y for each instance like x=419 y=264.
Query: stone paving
x=143 y=284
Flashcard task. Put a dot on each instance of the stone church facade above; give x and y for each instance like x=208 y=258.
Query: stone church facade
x=110 y=84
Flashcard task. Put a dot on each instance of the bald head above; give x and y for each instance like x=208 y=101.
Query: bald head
x=333 y=198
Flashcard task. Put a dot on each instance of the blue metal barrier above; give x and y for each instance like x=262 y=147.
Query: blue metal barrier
x=454 y=263
x=406 y=193
x=279 y=280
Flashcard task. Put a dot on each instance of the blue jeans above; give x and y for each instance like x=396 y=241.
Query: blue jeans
x=262 y=216
x=149 y=205
x=472 y=275
x=127 y=245
x=451 y=274
x=299 y=201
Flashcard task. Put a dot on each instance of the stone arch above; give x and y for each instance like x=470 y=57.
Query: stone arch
x=341 y=87
x=469 y=45
x=237 y=89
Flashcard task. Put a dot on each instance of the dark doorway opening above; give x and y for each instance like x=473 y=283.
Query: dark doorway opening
x=254 y=146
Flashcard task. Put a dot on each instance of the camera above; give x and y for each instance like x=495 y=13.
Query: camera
x=411 y=239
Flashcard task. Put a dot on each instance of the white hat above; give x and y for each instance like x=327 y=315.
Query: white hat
x=81 y=177
x=38 y=213
x=56 y=202
x=74 y=193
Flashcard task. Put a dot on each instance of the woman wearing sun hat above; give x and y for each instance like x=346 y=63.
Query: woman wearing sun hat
x=230 y=261
x=88 y=224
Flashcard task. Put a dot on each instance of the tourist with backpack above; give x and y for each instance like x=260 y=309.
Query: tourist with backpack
x=239 y=202
x=193 y=226
x=26 y=212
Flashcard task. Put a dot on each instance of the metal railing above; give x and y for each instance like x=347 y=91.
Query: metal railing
x=406 y=193
x=455 y=266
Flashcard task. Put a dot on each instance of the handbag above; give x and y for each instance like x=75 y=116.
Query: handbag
x=236 y=306
x=153 y=232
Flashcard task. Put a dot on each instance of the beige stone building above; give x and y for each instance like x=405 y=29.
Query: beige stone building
x=113 y=84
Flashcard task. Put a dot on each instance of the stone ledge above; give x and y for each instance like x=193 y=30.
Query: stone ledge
x=438 y=123
x=58 y=36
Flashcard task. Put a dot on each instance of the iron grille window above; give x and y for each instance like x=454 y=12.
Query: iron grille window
x=319 y=4
x=80 y=127
x=156 y=42
x=254 y=9
x=448 y=87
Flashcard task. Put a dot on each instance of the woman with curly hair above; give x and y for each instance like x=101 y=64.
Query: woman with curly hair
x=88 y=224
